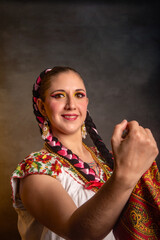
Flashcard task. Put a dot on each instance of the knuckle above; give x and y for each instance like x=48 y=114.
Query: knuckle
x=148 y=141
x=147 y=129
x=134 y=122
x=154 y=147
x=136 y=135
x=156 y=150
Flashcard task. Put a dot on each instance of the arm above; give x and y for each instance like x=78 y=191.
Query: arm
x=45 y=198
x=48 y=202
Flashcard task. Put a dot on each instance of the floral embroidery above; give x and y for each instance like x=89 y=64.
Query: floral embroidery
x=50 y=164
x=38 y=163
x=56 y=168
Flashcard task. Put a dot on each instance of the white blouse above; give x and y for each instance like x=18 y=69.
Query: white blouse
x=29 y=228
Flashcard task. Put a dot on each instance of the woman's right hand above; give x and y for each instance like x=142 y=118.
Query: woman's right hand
x=133 y=154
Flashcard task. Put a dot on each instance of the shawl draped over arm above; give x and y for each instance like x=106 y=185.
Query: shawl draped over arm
x=140 y=218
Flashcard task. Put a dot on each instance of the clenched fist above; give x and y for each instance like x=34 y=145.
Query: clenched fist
x=134 y=153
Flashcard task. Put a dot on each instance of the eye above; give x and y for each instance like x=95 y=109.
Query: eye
x=58 y=95
x=79 y=95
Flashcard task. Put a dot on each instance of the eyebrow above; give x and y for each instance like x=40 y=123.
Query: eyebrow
x=61 y=90
x=80 y=90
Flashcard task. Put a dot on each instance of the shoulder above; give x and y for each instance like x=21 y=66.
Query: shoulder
x=40 y=162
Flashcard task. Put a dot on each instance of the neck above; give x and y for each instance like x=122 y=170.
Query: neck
x=72 y=142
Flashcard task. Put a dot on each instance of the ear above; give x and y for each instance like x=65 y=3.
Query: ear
x=41 y=107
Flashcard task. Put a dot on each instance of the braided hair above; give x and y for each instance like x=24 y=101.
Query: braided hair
x=39 y=88
x=97 y=140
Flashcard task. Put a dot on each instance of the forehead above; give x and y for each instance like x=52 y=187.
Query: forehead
x=67 y=80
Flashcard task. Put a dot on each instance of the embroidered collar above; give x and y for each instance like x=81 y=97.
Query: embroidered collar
x=82 y=169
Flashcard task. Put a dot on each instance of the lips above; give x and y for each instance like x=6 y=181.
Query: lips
x=70 y=117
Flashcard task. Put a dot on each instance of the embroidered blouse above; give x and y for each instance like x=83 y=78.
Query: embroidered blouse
x=51 y=164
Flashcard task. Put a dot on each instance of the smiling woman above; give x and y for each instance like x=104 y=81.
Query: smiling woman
x=65 y=104
x=70 y=191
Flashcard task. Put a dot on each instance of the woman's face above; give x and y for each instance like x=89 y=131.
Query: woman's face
x=65 y=103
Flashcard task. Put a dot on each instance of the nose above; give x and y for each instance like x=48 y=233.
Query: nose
x=70 y=103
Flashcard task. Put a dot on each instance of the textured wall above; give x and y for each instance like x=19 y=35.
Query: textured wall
x=116 y=48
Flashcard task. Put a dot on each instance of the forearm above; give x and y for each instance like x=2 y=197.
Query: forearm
x=96 y=218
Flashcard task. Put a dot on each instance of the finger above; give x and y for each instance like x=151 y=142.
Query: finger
x=146 y=132
x=142 y=130
x=149 y=133
x=133 y=126
x=118 y=132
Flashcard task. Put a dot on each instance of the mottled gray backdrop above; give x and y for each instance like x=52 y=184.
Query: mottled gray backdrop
x=115 y=47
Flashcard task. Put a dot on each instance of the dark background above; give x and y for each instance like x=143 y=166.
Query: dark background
x=115 y=46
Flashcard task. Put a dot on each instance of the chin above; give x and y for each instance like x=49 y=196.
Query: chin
x=71 y=131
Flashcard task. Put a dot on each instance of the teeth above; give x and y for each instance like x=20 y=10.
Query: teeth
x=69 y=116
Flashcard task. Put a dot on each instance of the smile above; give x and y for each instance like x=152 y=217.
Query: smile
x=70 y=117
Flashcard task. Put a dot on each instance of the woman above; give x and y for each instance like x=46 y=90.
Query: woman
x=68 y=190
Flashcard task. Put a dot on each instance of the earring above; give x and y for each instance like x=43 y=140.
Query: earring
x=84 y=132
x=45 y=129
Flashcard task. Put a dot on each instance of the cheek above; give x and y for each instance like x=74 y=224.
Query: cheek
x=53 y=108
x=83 y=106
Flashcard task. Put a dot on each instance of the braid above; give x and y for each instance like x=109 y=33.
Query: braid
x=36 y=95
x=52 y=141
x=97 y=140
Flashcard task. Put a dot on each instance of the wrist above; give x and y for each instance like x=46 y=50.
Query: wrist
x=123 y=179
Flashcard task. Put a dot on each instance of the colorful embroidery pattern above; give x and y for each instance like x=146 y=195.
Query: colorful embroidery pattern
x=38 y=163
x=141 y=217
x=51 y=164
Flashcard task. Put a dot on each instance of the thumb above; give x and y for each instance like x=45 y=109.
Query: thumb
x=118 y=132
